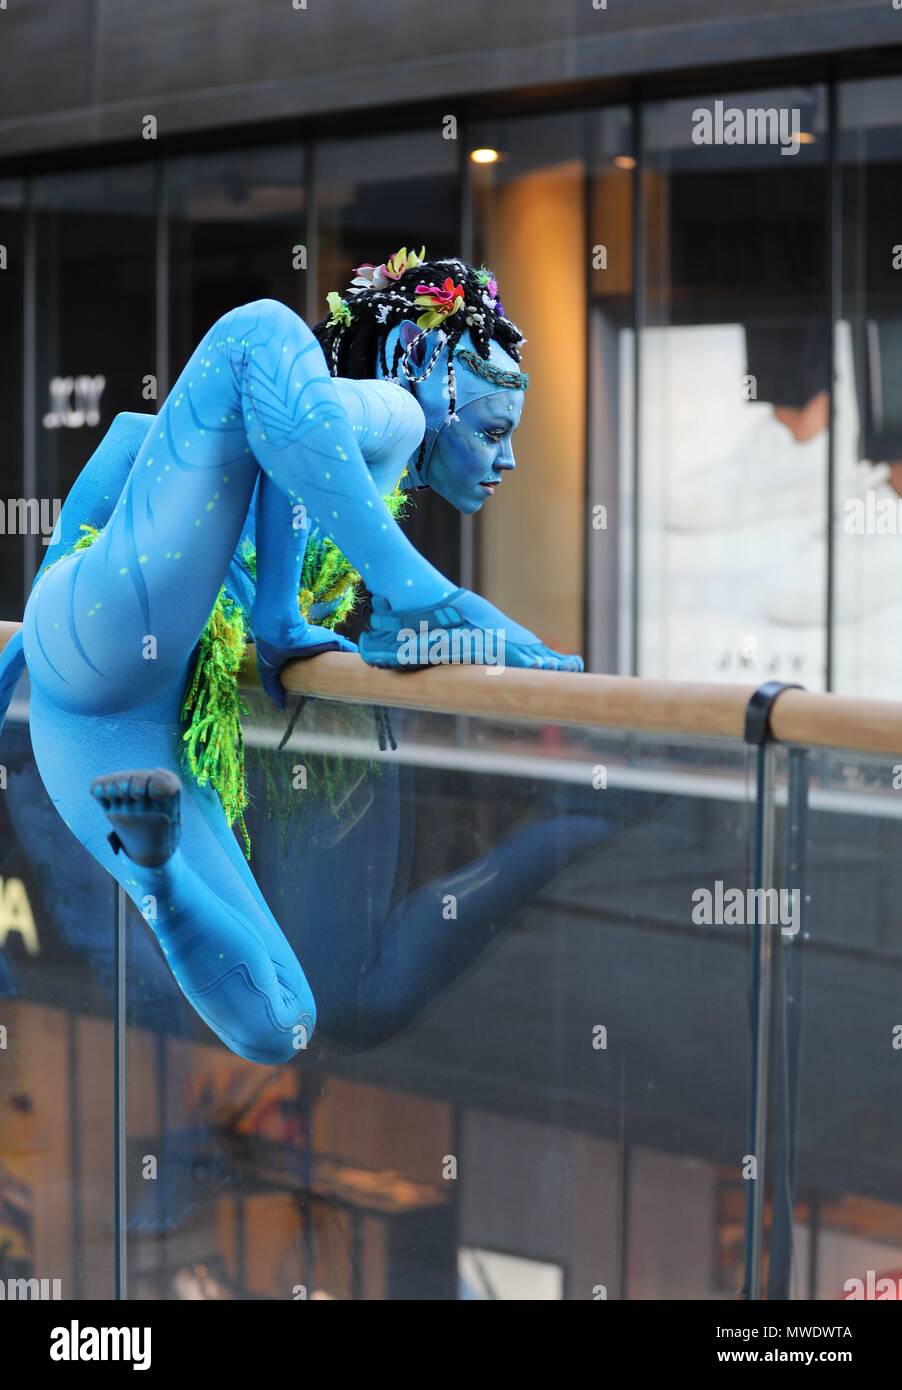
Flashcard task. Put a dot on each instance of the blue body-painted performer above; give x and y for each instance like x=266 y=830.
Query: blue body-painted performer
x=256 y=438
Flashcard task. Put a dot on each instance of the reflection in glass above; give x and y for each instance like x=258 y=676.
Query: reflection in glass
x=835 y=1210
x=610 y=558
x=530 y=227
x=94 y=234
x=237 y=232
x=867 y=585
x=734 y=389
x=12 y=280
x=57 y=1143
x=497 y=1086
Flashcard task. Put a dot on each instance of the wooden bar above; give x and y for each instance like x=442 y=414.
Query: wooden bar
x=544 y=697
x=838 y=721
x=602 y=702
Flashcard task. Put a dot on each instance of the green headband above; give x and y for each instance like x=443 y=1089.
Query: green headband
x=509 y=381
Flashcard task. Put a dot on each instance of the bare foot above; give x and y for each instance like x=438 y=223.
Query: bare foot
x=144 y=809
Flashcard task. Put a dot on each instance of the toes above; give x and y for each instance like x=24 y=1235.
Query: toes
x=137 y=785
x=104 y=789
x=116 y=790
x=98 y=791
x=162 y=784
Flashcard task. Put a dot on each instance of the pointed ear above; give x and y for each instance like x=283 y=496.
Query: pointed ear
x=417 y=344
x=414 y=342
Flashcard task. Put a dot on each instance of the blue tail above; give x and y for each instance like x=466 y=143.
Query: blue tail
x=12 y=664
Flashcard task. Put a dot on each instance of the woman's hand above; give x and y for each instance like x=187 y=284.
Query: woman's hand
x=461 y=629
x=303 y=641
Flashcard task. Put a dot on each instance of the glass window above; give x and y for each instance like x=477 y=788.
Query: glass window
x=237 y=232
x=867 y=586
x=94 y=350
x=57 y=983
x=835 y=1211
x=525 y=1042
x=529 y=205
x=734 y=389
x=377 y=194
x=611 y=368
x=372 y=197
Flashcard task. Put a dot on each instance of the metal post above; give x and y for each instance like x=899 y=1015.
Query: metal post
x=788 y=1008
x=762 y=987
x=119 y=1112
x=639 y=317
x=757 y=732
x=834 y=310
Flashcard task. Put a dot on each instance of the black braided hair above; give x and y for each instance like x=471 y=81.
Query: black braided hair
x=357 y=349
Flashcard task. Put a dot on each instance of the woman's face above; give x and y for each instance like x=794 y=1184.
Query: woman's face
x=473 y=452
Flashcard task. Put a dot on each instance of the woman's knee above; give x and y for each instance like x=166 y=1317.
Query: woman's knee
x=269 y=1024
x=251 y=323
x=262 y=1040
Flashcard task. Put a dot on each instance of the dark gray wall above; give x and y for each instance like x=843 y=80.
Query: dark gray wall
x=75 y=72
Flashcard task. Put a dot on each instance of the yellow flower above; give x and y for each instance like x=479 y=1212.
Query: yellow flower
x=339 y=311
x=402 y=261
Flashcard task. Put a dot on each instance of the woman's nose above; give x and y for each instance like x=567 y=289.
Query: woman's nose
x=506 y=458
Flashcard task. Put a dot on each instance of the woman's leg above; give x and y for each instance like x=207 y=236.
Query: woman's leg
x=422 y=950
x=194 y=887
x=110 y=627
x=91 y=501
x=230 y=960
x=93 y=496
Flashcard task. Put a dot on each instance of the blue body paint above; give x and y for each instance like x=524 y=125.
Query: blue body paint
x=255 y=440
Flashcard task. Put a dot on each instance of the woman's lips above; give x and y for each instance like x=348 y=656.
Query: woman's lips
x=488 y=488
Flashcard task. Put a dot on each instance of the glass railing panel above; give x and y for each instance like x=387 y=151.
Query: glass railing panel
x=529 y=1073
x=835 y=1209
x=57 y=992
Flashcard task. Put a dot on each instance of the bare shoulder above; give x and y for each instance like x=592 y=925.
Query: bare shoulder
x=388 y=422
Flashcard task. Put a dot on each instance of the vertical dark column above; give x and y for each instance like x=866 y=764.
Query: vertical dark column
x=29 y=386
x=467 y=553
x=589 y=155
x=161 y=280
x=833 y=189
x=638 y=322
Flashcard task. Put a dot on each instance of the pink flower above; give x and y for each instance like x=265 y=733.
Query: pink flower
x=439 y=303
x=370 y=277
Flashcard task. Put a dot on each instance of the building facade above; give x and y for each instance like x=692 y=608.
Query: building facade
x=711 y=324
